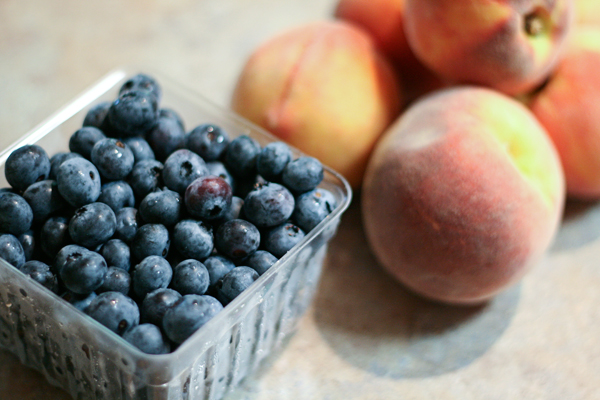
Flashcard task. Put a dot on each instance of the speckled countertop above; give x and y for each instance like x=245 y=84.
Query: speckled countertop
x=365 y=337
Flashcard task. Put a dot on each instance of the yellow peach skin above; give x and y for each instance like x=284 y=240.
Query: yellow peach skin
x=323 y=88
x=569 y=108
x=509 y=45
x=462 y=195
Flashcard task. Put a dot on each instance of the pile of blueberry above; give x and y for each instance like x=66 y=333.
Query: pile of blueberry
x=144 y=222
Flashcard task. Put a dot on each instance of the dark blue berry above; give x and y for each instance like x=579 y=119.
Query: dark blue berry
x=44 y=199
x=83 y=271
x=208 y=198
x=140 y=148
x=166 y=137
x=217 y=266
x=312 y=207
x=11 y=250
x=54 y=235
x=193 y=239
x=149 y=339
x=83 y=141
x=127 y=224
x=113 y=159
x=92 y=225
x=78 y=182
x=117 y=195
x=156 y=304
x=153 y=272
x=16 y=214
x=134 y=113
x=272 y=160
x=41 y=273
x=142 y=82
x=150 y=240
x=261 y=261
x=234 y=283
x=237 y=239
x=181 y=168
x=117 y=254
x=26 y=165
x=282 y=238
x=240 y=156
x=96 y=115
x=208 y=141
x=57 y=159
x=268 y=205
x=28 y=242
x=116 y=311
x=161 y=207
x=302 y=174
x=145 y=177
x=116 y=280
x=190 y=277
x=188 y=315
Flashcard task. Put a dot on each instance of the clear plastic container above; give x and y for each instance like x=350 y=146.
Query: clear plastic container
x=87 y=360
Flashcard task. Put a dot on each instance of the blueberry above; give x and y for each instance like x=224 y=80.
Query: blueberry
x=41 y=273
x=79 y=301
x=181 y=168
x=240 y=156
x=114 y=310
x=134 y=113
x=140 y=148
x=54 y=235
x=44 y=199
x=96 y=115
x=113 y=159
x=92 y=225
x=188 y=315
x=153 y=272
x=142 y=82
x=78 y=182
x=117 y=254
x=127 y=224
x=83 y=271
x=161 y=207
x=237 y=239
x=26 y=165
x=261 y=261
x=149 y=339
x=11 y=250
x=116 y=280
x=145 y=177
x=193 y=239
x=282 y=238
x=83 y=141
x=117 y=195
x=156 y=304
x=28 y=242
x=302 y=174
x=208 y=198
x=234 y=283
x=268 y=205
x=190 y=277
x=208 y=141
x=166 y=137
x=69 y=252
x=57 y=159
x=16 y=214
x=217 y=168
x=312 y=207
x=150 y=240
x=217 y=266
x=272 y=160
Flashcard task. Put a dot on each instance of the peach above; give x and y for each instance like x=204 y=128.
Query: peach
x=462 y=195
x=568 y=106
x=384 y=20
x=587 y=12
x=509 y=45
x=325 y=89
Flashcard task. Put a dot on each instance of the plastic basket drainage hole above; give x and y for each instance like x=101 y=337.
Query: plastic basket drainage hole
x=23 y=292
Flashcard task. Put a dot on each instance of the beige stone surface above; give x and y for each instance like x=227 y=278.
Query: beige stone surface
x=365 y=337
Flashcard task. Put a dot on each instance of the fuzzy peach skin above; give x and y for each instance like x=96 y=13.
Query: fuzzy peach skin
x=509 y=45
x=569 y=107
x=384 y=20
x=323 y=88
x=462 y=195
x=587 y=12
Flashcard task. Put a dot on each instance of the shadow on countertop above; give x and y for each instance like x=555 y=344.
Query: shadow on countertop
x=375 y=324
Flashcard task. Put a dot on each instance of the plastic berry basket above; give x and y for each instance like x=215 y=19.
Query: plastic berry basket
x=78 y=354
